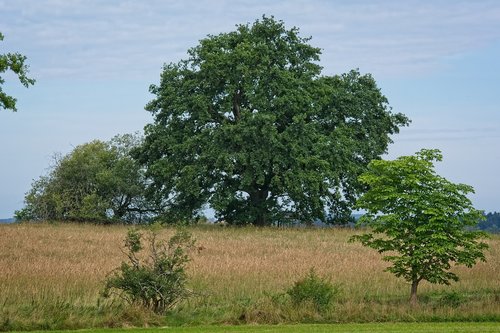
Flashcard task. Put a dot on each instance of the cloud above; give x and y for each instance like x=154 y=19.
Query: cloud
x=114 y=39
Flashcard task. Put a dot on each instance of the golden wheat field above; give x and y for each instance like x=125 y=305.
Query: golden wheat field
x=51 y=276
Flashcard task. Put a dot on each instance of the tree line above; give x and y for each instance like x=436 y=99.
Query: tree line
x=247 y=125
x=490 y=223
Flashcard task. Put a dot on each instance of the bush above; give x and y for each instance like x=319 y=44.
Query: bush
x=157 y=282
x=312 y=288
x=453 y=299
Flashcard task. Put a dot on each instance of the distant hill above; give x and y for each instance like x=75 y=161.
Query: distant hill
x=11 y=220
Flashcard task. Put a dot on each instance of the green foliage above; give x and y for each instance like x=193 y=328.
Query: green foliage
x=453 y=299
x=97 y=181
x=425 y=219
x=15 y=63
x=315 y=290
x=491 y=223
x=157 y=282
x=248 y=125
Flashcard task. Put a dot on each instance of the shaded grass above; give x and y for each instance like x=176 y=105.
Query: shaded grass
x=51 y=275
x=322 y=328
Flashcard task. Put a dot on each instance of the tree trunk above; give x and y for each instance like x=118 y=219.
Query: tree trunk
x=260 y=220
x=258 y=202
x=413 y=293
x=236 y=105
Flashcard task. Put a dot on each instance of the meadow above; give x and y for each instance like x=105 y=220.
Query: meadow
x=51 y=276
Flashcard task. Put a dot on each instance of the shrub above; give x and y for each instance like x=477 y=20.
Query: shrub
x=315 y=289
x=157 y=282
x=453 y=299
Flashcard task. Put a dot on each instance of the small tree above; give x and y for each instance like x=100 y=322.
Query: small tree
x=425 y=219
x=97 y=181
x=157 y=281
x=15 y=63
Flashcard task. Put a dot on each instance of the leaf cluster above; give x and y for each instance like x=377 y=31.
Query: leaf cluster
x=14 y=62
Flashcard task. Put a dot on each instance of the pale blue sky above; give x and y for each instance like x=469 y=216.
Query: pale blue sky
x=436 y=61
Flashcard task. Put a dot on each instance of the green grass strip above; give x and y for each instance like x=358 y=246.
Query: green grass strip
x=319 y=328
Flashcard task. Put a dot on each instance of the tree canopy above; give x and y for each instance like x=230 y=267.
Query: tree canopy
x=424 y=220
x=249 y=126
x=14 y=62
x=97 y=181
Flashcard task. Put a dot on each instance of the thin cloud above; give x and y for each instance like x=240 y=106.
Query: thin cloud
x=85 y=39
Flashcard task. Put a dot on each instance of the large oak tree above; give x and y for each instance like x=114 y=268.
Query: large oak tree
x=249 y=126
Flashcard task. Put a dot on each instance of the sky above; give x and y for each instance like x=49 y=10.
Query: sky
x=436 y=61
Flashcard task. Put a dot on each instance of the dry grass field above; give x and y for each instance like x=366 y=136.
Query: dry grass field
x=51 y=276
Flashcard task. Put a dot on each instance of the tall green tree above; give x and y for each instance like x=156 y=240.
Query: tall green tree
x=14 y=62
x=97 y=181
x=249 y=126
x=423 y=220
